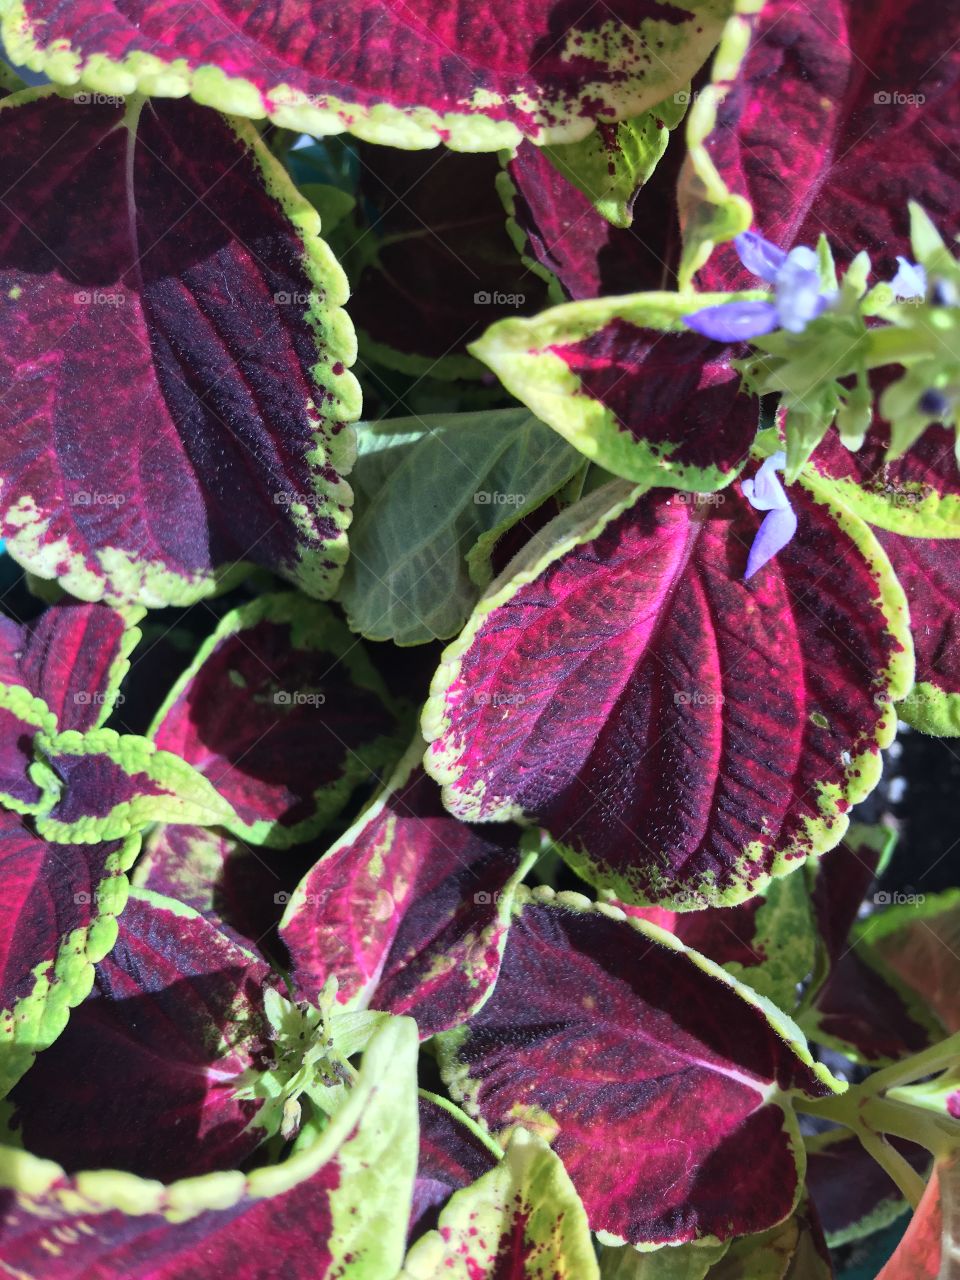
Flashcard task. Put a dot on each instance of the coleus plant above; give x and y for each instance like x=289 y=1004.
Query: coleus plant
x=558 y=951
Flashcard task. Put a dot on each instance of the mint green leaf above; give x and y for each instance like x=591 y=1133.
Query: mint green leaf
x=432 y=496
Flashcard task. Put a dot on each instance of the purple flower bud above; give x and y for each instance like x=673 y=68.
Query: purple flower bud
x=734 y=321
x=910 y=280
x=765 y=493
x=759 y=256
x=934 y=403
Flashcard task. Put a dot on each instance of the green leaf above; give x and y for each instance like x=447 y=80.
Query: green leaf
x=611 y=164
x=433 y=495
x=104 y=785
x=684 y=1262
x=522 y=1219
x=710 y=213
x=785 y=935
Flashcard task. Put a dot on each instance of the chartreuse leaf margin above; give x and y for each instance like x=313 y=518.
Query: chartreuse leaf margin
x=531 y=358
x=463 y=779
x=63 y=972
x=406 y=88
x=524 y=1217
x=145 y=786
x=365 y=1158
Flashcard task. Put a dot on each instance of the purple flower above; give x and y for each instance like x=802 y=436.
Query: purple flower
x=798 y=299
x=765 y=493
x=910 y=280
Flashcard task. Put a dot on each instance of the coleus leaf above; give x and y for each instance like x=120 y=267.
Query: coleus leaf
x=523 y=1219
x=74 y=656
x=681 y=1262
x=434 y=495
x=839 y=883
x=641 y=742
x=104 y=785
x=429 y=73
x=768 y=942
x=282 y=711
x=854 y=1196
x=409 y=909
x=64 y=668
x=794 y=1250
x=920 y=943
x=58 y=906
x=867 y=95
x=454 y=1152
x=915 y=502
x=216 y=874
x=431 y=262
x=337 y=1206
x=929 y=571
x=583 y=1040
x=153 y=1073
x=213 y=408
x=930 y=1250
x=630 y=386
x=865 y=1008
x=563 y=236
x=612 y=164
x=917 y=494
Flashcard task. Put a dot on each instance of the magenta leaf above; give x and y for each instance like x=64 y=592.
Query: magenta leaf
x=73 y=656
x=65 y=669
x=605 y=1034
x=452 y=1155
x=631 y=386
x=58 y=904
x=567 y=239
x=328 y=1210
x=283 y=713
x=216 y=874
x=641 y=739
x=867 y=95
x=409 y=909
x=403 y=77
x=152 y=1073
x=854 y=1196
x=174 y=435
